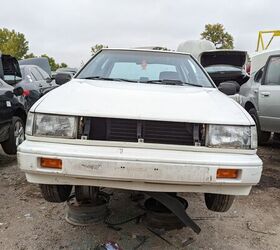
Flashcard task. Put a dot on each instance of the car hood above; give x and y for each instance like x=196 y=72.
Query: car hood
x=98 y=98
x=223 y=57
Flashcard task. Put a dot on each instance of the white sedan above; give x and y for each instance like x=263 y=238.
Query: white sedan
x=141 y=120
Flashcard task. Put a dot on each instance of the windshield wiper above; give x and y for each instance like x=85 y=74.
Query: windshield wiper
x=172 y=82
x=108 y=79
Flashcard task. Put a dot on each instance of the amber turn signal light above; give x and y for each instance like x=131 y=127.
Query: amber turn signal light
x=227 y=173
x=51 y=163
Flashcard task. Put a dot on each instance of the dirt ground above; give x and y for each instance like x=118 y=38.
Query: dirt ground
x=29 y=222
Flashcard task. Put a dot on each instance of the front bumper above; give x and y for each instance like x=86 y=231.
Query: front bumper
x=183 y=169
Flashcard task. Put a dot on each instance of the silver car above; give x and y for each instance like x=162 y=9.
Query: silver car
x=260 y=96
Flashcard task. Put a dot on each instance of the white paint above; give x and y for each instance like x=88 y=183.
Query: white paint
x=149 y=169
x=143 y=101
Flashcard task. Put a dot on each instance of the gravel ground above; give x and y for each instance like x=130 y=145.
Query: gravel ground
x=29 y=222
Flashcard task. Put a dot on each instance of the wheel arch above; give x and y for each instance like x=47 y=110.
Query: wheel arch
x=249 y=105
x=21 y=114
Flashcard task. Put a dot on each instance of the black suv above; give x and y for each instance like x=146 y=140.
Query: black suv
x=12 y=117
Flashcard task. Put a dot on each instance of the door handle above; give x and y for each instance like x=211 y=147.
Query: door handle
x=265 y=94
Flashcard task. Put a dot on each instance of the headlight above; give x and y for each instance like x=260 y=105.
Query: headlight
x=55 y=126
x=242 y=137
x=29 y=123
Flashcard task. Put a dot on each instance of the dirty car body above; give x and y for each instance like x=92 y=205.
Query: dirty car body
x=141 y=120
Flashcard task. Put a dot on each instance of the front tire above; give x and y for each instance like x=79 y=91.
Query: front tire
x=218 y=202
x=55 y=193
x=263 y=136
x=16 y=136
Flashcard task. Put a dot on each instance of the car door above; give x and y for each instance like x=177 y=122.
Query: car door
x=46 y=77
x=39 y=79
x=269 y=96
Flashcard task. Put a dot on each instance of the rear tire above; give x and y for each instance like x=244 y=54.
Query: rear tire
x=218 y=202
x=55 y=193
x=16 y=136
x=263 y=136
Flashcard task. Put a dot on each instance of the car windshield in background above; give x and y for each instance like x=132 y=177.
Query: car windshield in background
x=145 y=67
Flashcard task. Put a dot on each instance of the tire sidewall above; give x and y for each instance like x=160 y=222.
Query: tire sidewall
x=9 y=146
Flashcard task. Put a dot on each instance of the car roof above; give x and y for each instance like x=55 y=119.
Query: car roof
x=146 y=50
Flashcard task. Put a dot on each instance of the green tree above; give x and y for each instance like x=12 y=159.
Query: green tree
x=52 y=62
x=216 y=34
x=13 y=43
x=30 y=55
x=96 y=48
x=63 y=65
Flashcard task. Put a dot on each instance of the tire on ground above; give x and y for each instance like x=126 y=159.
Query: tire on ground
x=10 y=146
x=83 y=193
x=218 y=202
x=263 y=136
x=55 y=193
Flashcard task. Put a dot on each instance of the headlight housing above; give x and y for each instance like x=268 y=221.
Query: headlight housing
x=29 y=123
x=223 y=136
x=51 y=125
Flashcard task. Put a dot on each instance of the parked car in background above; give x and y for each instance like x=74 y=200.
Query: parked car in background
x=41 y=62
x=225 y=65
x=141 y=120
x=257 y=60
x=33 y=82
x=33 y=79
x=261 y=98
x=37 y=72
x=36 y=80
x=12 y=118
x=227 y=68
x=72 y=71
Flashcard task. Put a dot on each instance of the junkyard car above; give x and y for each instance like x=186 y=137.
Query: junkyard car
x=33 y=79
x=225 y=65
x=261 y=98
x=227 y=68
x=12 y=118
x=141 y=120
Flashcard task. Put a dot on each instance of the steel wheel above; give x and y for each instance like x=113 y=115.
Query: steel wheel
x=18 y=133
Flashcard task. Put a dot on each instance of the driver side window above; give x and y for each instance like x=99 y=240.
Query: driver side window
x=259 y=75
x=272 y=76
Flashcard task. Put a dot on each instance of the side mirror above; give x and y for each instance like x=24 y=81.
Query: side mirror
x=62 y=78
x=18 y=91
x=229 y=88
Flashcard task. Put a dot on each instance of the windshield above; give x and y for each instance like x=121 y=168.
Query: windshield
x=145 y=67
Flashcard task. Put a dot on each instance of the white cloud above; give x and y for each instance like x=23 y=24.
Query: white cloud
x=67 y=29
